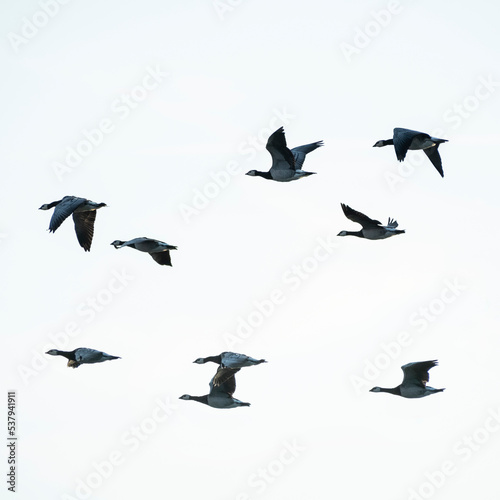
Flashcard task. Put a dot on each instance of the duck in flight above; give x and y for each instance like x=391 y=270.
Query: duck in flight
x=159 y=250
x=404 y=139
x=287 y=163
x=229 y=360
x=84 y=212
x=222 y=387
x=82 y=355
x=416 y=376
x=371 y=229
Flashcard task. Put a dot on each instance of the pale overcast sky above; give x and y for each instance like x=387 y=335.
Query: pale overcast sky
x=158 y=109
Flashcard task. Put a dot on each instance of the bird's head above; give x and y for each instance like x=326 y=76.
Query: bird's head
x=117 y=243
x=379 y=144
x=252 y=173
x=53 y=352
x=45 y=206
x=342 y=233
x=375 y=389
x=199 y=361
x=186 y=397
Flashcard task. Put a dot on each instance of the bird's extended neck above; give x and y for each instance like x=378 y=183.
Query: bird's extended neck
x=359 y=234
x=266 y=175
x=394 y=390
x=200 y=399
x=66 y=354
x=48 y=206
x=213 y=359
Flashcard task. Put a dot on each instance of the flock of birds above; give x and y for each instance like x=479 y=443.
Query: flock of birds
x=84 y=213
x=286 y=166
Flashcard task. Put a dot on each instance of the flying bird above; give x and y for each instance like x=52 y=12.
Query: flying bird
x=287 y=164
x=159 y=250
x=221 y=394
x=371 y=229
x=416 y=376
x=84 y=212
x=229 y=360
x=405 y=139
x=82 y=355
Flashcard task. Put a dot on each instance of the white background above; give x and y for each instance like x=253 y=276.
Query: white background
x=231 y=73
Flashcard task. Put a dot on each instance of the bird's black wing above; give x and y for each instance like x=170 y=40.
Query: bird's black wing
x=435 y=158
x=84 y=227
x=403 y=138
x=224 y=381
x=417 y=372
x=283 y=158
x=163 y=258
x=358 y=217
x=299 y=153
x=63 y=210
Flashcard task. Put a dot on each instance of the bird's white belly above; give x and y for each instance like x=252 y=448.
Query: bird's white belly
x=421 y=144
